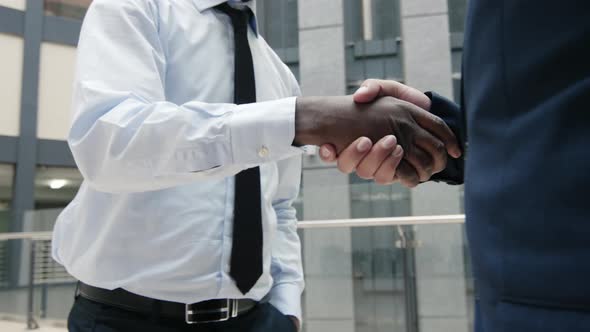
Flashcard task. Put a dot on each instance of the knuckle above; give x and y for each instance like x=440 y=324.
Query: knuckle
x=425 y=162
x=423 y=172
x=407 y=177
x=439 y=122
x=409 y=127
x=440 y=148
x=439 y=168
x=408 y=146
x=412 y=180
x=409 y=182
x=422 y=178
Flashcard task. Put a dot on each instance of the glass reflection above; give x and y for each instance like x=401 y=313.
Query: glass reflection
x=55 y=187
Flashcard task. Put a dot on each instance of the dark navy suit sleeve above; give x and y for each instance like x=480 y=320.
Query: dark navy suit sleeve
x=452 y=115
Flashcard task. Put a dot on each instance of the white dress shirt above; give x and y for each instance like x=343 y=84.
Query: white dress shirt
x=158 y=141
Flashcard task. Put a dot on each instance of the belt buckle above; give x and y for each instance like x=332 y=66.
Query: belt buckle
x=229 y=311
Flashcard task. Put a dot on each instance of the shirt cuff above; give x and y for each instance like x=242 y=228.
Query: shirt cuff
x=286 y=298
x=263 y=132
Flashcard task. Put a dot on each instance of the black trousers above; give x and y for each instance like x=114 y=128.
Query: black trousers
x=89 y=316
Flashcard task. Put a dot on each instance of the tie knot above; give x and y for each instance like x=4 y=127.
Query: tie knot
x=239 y=18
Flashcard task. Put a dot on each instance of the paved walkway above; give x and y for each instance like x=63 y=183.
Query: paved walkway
x=12 y=326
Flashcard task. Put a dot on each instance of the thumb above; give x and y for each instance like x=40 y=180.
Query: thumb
x=368 y=92
x=328 y=153
x=371 y=89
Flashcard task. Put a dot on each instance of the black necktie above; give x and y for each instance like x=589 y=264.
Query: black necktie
x=246 y=253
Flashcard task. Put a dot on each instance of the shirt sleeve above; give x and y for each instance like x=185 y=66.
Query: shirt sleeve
x=453 y=116
x=286 y=266
x=126 y=137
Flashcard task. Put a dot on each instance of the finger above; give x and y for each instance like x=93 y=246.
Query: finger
x=380 y=151
x=368 y=92
x=421 y=161
x=351 y=156
x=439 y=128
x=386 y=174
x=433 y=146
x=407 y=175
x=328 y=153
x=373 y=88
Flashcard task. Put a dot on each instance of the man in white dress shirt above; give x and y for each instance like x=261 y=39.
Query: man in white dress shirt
x=186 y=127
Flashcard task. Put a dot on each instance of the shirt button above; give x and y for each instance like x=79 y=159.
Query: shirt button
x=263 y=152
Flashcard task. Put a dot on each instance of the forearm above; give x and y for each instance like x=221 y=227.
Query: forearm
x=140 y=146
x=315 y=117
x=340 y=121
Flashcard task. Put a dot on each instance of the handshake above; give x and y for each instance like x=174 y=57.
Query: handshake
x=383 y=132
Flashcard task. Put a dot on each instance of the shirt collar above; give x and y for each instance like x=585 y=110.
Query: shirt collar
x=203 y=5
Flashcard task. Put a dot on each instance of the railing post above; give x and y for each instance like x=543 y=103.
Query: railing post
x=43 y=311
x=407 y=244
x=31 y=323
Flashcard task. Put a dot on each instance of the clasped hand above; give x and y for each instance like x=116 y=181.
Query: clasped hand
x=384 y=132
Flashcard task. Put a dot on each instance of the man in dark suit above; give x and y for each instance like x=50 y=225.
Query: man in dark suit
x=525 y=116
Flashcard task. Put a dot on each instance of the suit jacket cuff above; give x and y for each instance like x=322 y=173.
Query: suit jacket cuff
x=451 y=114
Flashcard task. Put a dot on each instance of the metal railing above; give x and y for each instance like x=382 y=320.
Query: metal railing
x=332 y=223
x=43 y=270
x=390 y=221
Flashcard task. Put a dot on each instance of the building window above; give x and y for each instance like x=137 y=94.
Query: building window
x=75 y=9
x=278 y=22
x=457 y=12
x=378 y=265
x=56 y=187
x=373 y=44
x=372 y=19
x=6 y=180
x=385 y=22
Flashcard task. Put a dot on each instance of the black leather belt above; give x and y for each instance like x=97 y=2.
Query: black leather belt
x=218 y=310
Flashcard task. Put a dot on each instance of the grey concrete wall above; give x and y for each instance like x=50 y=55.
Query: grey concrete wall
x=329 y=299
x=321 y=47
x=442 y=303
